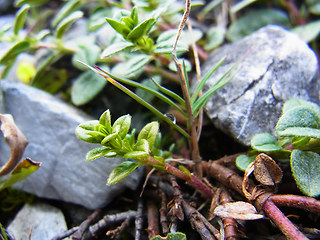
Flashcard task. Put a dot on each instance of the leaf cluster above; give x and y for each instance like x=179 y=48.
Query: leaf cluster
x=116 y=141
x=298 y=142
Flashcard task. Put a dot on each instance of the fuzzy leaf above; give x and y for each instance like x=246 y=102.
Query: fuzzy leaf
x=20 y=18
x=109 y=138
x=86 y=87
x=264 y=142
x=300 y=121
x=215 y=38
x=88 y=54
x=15 y=140
x=132 y=68
x=149 y=133
x=124 y=124
x=243 y=161
x=141 y=29
x=66 y=23
x=142 y=145
x=119 y=27
x=20 y=172
x=105 y=120
x=97 y=153
x=121 y=171
x=309 y=31
x=116 y=48
x=86 y=132
x=305 y=167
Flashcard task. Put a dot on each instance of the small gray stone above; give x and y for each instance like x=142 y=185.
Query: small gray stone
x=49 y=125
x=43 y=221
x=274 y=66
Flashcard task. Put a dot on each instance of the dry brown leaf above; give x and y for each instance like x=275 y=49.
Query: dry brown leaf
x=237 y=210
x=15 y=140
x=266 y=171
x=245 y=182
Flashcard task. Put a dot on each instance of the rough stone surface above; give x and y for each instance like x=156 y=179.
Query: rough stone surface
x=42 y=220
x=49 y=125
x=275 y=65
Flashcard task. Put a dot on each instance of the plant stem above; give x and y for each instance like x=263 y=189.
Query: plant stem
x=282 y=222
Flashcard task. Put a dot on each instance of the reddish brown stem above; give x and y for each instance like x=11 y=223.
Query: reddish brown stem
x=153 y=224
x=282 y=222
x=303 y=202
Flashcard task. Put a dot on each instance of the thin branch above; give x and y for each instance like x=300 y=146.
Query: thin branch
x=84 y=226
x=153 y=219
x=163 y=214
x=139 y=220
x=118 y=230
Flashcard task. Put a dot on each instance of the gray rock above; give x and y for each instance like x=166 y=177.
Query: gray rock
x=275 y=65
x=49 y=125
x=43 y=221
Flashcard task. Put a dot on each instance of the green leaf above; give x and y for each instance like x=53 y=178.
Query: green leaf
x=20 y=18
x=97 y=153
x=243 y=161
x=109 y=138
x=171 y=236
x=86 y=132
x=173 y=67
x=14 y=50
x=66 y=23
x=136 y=155
x=134 y=16
x=141 y=29
x=97 y=18
x=20 y=172
x=121 y=171
x=119 y=27
x=149 y=132
x=116 y=48
x=305 y=168
x=51 y=80
x=300 y=121
x=254 y=20
x=142 y=145
x=128 y=21
x=215 y=37
x=309 y=31
x=86 y=87
x=30 y=2
x=105 y=120
x=88 y=54
x=124 y=123
x=132 y=68
x=67 y=8
x=264 y=142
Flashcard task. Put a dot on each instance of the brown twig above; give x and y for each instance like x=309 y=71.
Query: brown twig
x=176 y=206
x=139 y=220
x=84 y=226
x=118 y=230
x=163 y=214
x=153 y=219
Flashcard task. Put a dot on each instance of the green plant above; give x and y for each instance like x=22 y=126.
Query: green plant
x=298 y=130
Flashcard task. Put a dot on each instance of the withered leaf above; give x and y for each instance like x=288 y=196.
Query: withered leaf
x=15 y=140
x=266 y=171
x=237 y=210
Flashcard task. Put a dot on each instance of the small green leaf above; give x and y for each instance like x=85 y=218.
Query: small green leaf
x=136 y=155
x=141 y=30
x=134 y=16
x=184 y=170
x=300 y=121
x=119 y=27
x=305 y=168
x=121 y=171
x=149 y=133
x=142 y=145
x=171 y=236
x=14 y=50
x=19 y=3
x=67 y=8
x=124 y=124
x=116 y=48
x=66 y=23
x=51 y=80
x=173 y=67
x=309 y=31
x=88 y=54
x=132 y=68
x=215 y=37
x=86 y=132
x=20 y=172
x=255 y=19
x=20 y=18
x=109 y=138
x=128 y=21
x=97 y=153
x=86 y=87
x=264 y=142
x=105 y=120
x=243 y=161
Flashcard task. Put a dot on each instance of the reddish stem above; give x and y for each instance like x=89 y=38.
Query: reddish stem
x=288 y=200
x=282 y=222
